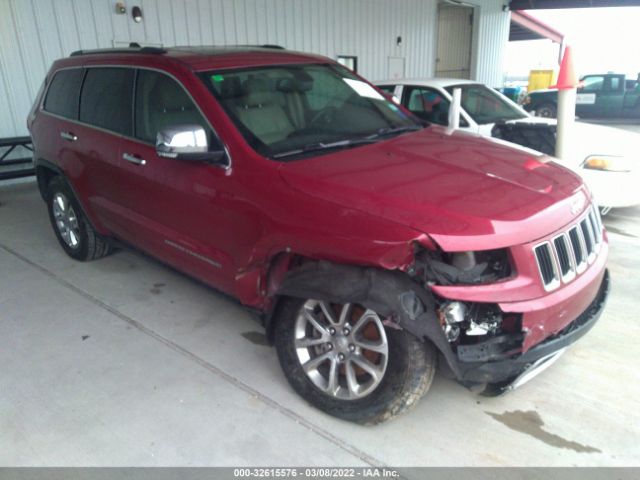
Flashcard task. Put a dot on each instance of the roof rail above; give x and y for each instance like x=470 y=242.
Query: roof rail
x=276 y=47
x=132 y=49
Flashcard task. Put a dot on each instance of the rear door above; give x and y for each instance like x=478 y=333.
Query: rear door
x=106 y=117
x=55 y=131
x=614 y=96
x=180 y=207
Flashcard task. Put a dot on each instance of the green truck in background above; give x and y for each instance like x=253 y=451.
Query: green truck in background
x=609 y=95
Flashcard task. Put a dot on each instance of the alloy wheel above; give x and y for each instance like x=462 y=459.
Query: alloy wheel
x=66 y=220
x=342 y=349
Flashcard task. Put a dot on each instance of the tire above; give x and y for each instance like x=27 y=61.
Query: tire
x=547 y=110
x=409 y=367
x=72 y=229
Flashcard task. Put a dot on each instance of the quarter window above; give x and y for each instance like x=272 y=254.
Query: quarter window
x=160 y=103
x=106 y=99
x=62 y=97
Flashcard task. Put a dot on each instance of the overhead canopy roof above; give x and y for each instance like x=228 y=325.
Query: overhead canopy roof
x=526 y=27
x=544 y=4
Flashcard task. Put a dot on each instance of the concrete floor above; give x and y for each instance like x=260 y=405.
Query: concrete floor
x=123 y=361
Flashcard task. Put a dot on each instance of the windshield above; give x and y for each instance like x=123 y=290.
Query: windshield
x=294 y=110
x=485 y=105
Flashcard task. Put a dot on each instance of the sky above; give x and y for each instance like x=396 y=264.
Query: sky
x=602 y=40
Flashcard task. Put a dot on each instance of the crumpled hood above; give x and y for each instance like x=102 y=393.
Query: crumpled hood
x=451 y=186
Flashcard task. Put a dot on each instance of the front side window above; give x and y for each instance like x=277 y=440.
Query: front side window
x=593 y=83
x=296 y=109
x=161 y=103
x=62 y=96
x=106 y=99
x=484 y=105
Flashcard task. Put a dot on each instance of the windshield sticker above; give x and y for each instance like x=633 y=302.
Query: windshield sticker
x=363 y=89
x=217 y=78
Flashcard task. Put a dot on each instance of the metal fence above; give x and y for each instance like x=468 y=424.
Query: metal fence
x=16 y=159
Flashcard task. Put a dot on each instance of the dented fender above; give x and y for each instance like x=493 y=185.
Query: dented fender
x=392 y=294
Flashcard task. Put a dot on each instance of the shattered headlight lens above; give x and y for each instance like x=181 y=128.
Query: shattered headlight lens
x=607 y=163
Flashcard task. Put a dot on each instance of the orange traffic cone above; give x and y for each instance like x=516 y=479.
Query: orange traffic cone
x=567 y=76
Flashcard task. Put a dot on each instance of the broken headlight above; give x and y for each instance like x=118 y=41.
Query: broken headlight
x=462 y=268
x=469 y=323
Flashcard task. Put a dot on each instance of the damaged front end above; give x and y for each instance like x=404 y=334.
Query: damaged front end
x=487 y=342
x=482 y=342
x=476 y=332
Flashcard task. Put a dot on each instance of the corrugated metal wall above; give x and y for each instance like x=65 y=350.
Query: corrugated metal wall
x=491 y=34
x=33 y=33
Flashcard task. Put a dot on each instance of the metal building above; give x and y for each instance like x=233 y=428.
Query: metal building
x=381 y=38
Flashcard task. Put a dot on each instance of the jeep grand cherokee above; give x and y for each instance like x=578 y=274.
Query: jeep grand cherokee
x=370 y=244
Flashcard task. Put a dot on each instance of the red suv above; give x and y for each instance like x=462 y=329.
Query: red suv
x=369 y=243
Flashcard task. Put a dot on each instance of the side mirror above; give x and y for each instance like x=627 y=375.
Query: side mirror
x=187 y=142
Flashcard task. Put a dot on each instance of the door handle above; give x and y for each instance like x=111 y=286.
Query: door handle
x=133 y=159
x=68 y=136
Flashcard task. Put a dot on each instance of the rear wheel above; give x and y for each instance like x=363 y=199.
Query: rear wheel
x=343 y=360
x=547 y=110
x=73 y=231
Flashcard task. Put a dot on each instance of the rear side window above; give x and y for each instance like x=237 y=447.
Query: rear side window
x=427 y=104
x=62 y=96
x=106 y=99
x=161 y=103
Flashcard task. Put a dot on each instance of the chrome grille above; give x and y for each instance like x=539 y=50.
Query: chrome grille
x=568 y=254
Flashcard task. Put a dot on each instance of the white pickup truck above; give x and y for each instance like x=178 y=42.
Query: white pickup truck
x=608 y=159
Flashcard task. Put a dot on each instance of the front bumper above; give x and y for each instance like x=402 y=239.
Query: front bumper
x=500 y=373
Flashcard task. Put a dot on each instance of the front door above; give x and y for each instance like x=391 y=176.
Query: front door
x=105 y=116
x=181 y=208
x=600 y=96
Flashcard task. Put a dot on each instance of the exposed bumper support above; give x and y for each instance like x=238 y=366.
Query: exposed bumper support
x=506 y=374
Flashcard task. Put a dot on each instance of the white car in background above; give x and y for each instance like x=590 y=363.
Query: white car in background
x=608 y=159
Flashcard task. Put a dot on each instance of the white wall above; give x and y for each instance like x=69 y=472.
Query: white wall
x=33 y=33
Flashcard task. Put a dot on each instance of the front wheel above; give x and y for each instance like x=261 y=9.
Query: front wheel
x=344 y=361
x=547 y=110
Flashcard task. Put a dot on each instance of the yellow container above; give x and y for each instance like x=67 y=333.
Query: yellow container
x=539 y=79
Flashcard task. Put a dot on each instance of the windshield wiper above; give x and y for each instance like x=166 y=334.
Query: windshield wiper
x=349 y=142
x=384 y=132
x=314 y=147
